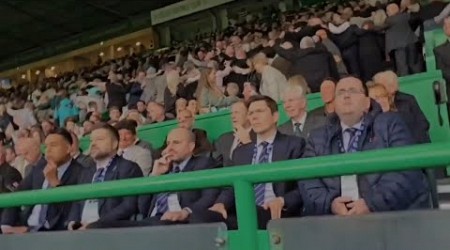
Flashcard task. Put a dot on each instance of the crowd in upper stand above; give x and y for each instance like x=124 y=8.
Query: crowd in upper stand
x=351 y=53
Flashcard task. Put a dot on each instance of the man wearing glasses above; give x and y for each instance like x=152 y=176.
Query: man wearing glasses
x=360 y=125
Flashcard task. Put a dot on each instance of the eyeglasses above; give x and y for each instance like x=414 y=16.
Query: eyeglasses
x=352 y=91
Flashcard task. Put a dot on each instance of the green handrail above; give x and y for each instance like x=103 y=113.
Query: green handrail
x=243 y=178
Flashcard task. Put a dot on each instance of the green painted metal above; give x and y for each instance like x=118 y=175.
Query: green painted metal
x=242 y=178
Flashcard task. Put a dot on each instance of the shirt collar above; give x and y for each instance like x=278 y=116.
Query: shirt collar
x=183 y=164
x=104 y=163
x=76 y=155
x=270 y=140
x=63 y=168
x=357 y=126
x=302 y=120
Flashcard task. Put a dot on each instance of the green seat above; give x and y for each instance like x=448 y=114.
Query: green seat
x=433 y=39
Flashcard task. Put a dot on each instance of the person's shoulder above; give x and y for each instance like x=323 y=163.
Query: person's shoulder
x=387 y=118
x=441 y=48
x=125 y=165
x=225 y=136
x=203 y=162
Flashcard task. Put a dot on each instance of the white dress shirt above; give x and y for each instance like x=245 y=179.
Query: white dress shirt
x=349 y=183
x=301 y=121
x=269 y=194
x=172 y=201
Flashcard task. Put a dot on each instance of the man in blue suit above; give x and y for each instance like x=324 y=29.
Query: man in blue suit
x=176 y=207
x=273 y=200
x=109 y=167
x=58 y=169
x=360 y=125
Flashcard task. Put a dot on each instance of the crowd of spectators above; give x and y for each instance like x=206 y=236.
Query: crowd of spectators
x=351 y=53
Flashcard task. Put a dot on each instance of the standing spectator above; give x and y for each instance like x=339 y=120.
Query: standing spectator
x=272 y=80
x=334 y=50
x=136 y=88
x=116 y=91
x=442 y=54
x=401 y=41
x=65 y=109
x=371 y=51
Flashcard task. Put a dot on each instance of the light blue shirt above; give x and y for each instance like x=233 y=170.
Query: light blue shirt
x=172 y=201
x=269 y=194
x=33 y=220
x=349 y=183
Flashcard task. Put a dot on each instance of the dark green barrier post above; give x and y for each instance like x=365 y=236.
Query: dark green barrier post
x=247 y=221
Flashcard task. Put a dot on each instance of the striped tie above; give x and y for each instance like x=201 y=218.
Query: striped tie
x=261 y=187
x=297 y=129
x=162 y=200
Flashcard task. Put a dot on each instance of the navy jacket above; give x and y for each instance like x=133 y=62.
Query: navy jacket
x=114 y=208
x=382 y=192
x=196 y=200
x=413 y=116
x=58 y=212
x=285 y=147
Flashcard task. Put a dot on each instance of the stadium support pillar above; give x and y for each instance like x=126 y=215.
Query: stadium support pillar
x=164 y=35
x=222 y=16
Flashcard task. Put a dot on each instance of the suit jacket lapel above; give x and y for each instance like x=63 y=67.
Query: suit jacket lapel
x=111 y=174
x=279 y=149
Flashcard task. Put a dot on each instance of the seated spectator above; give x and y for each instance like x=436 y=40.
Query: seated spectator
x=30 y=148
x=300 y=123
x=202 y=145
x=232 y=89
x=109 y=167
x=141 y=108
x=362 y=194
x=442 y=53
x=172 y=208
x=71 y=125
x=406 y=105
x=273 y=200
x=193 y=107
x=23 y=118
x=10 y=177
x=58 y=170
x=134 y=115
x=37 y=133
x=379 y=93
x=65 y=109
x=127 y=148
x=272 y=80
x=242 y=134
x=11 y=157
x=84 y=160
x=114 y=115
x=155 y=112
x=327 y=93
x=211 y=97
x=181 y=104
x=250 y=90
x=87 y=127
x=47 y=126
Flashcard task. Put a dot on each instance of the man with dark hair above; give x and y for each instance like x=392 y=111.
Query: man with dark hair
x=127 y=148
x=360 y=125
x=172 y=207
x=59 y=170
x=273 y=200
x=114 y=115
x=84 y=160
x=109 y=166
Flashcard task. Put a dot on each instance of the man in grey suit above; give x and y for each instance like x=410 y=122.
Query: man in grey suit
x=442 y=53
x=228 y=142
x=299 y=124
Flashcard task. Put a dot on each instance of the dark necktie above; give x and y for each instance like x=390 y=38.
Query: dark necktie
x=352 y=142
x=261 y=187
x=99 y=175
x=162 y=200
x=297 y=129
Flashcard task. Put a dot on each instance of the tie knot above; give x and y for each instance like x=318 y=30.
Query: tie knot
x=351 y=131
x=100 y=171
x=297 y=124
x=176 y=169
x=264 y=144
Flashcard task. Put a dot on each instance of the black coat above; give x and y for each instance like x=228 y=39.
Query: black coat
x=347 y=42
x=371 y=53
x=315 y=64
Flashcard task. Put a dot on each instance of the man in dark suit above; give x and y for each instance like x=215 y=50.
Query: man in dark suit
x=300 y=123
x=442 y=54
x=173 y=208
x=59 y=170
x=360 y=125
x=407 y=106
x=108 y=167
x=273 y=200
x=226 y=144
x=9 y=176
x=84 y=160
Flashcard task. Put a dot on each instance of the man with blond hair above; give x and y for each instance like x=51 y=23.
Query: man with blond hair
x=272 y=80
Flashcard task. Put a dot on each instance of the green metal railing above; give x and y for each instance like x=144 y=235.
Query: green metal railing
x=243 y=178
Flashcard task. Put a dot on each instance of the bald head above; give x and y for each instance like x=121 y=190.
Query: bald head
x=180 y=145
x=30 y=149
x=392 y=9
x=307 y=42
x=389 y=80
